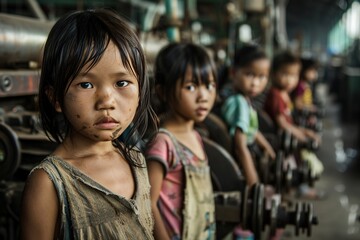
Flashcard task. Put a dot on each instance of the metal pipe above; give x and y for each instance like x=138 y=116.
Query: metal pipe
x=36 y=9
x=171 y=8
x=21 y=39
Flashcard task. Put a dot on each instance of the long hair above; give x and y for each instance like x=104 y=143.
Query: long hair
x=80 y=38
x=171 y=64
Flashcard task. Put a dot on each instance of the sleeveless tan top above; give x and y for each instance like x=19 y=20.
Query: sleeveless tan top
x=90 y=211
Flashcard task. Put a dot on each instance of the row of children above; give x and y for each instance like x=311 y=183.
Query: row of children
x=93 y=87
x=249 y=73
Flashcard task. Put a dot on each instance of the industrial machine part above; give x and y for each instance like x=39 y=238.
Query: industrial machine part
x=22 y=39
x=284 y=178
x=10 y=198
x=238 y=204
x=9 y=151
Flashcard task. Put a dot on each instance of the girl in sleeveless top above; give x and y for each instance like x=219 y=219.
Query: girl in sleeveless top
x=181 y=189
x=92 y=88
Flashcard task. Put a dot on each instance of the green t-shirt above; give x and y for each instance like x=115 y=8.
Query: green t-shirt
x=238 y=113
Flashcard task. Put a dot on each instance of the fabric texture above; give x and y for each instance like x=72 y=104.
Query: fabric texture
x=176 y=160
x=275 y=105
x=303 y=90
x=238 y=113
x=90 y=211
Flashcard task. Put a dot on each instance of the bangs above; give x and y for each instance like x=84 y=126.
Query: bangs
x=93 y=36
x=202 y=67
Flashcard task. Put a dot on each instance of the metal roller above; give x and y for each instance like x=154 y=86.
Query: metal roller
x=21 y=39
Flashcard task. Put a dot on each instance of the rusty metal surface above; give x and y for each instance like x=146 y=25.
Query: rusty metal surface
x=18 y=83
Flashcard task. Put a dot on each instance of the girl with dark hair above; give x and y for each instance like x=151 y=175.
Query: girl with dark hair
x=92 y=88
x=181 y=189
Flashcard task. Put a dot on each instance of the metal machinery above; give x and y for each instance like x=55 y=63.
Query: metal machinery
x=236 y=203
x=23 y=144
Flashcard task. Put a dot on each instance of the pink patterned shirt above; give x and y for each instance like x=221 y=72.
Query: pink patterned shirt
x=171 y=196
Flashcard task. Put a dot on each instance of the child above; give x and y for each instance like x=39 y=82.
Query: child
x=302 y=95
x=285 y=76
x=181 y=189
x=250 y=76
x=92 y=88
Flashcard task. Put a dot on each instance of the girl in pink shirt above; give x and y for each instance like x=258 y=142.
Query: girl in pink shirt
x=181 y=189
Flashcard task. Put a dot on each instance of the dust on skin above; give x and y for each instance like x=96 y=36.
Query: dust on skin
x=115 y=133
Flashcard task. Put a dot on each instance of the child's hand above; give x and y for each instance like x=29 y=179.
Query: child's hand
x=313 y=136
x=270 y=152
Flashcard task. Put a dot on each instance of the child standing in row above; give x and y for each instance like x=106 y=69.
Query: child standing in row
x=250 y=76
x=181 y=189
x=302 y=94
x=92 y=88
x=285 y=76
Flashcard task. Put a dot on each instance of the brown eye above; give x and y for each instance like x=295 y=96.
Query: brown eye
x=86 y=85
x=190 y=87
x=122 y=83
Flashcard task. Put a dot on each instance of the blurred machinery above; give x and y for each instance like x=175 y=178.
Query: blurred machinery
x=23 y=144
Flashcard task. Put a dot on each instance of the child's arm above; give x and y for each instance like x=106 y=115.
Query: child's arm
x=298 y=102
x=39 y=211
x=264 y=144
x=293 y=129
x=300 y=105
x=156 y=176
x=244 y=157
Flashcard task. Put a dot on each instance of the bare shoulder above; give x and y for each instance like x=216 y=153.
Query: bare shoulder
x=39 y=207
x=39 y=185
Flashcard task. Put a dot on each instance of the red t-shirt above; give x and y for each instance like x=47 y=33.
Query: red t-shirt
x=275 y=105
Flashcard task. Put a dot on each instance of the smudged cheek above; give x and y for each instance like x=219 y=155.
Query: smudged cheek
x=116 y=133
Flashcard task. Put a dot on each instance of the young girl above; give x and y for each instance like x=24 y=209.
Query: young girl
x=181 y=189
x=250 y=75
x=92 y=88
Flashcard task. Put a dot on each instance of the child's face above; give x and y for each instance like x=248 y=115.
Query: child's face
x=194 y=101
x=101 y=103
x=311 y=75
x=251 y=80
x=287 y=77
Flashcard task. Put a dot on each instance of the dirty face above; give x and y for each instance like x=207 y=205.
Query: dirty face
x=251 y=80
x=194 y=99
x=101 y=103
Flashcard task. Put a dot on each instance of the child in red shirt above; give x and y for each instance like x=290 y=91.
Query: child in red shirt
x=285 y=77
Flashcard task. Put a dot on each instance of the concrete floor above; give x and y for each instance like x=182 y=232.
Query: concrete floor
x=341 y=180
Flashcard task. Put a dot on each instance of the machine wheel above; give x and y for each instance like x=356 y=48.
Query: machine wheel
x=10 y=151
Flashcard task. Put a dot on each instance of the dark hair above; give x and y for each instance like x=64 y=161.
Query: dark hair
x=80 y=38
x=282 y=59
x=248 y=54
x=306 y=64
x=171 y=63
